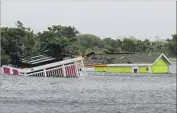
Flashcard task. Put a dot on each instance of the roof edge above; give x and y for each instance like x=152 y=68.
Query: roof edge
x=162 y=54
x=129 y=64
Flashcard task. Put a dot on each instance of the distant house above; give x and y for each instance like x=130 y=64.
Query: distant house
x=152 y=62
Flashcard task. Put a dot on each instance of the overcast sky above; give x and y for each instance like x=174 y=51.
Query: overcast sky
x=104 y=19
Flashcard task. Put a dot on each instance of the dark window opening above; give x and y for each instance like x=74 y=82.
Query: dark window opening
x=135 y=70
x=147 y=69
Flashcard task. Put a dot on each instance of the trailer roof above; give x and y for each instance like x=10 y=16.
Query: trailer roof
x=35 y=59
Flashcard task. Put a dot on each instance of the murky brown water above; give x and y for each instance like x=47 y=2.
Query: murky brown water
x=91 y=94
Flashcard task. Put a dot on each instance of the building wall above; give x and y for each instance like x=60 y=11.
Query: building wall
x=143 y=69
x=161 y=66
x=120 y=69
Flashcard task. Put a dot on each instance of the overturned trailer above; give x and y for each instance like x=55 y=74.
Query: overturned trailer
x=49 y=67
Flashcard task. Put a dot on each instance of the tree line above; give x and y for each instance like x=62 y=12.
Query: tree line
x=20 y=41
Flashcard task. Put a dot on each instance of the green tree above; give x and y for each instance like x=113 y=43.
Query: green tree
x=56 y=39
x=172 y=45
x=88 y=42
x=111 y=45
x=128 y=45
x=17 y=42
x=5 y=59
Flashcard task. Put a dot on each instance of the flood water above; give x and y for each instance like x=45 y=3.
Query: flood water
x=172 y=67
x=90 y=94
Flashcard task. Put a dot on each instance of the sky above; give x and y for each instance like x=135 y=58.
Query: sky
x=106 y=18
